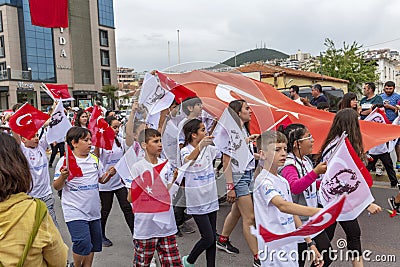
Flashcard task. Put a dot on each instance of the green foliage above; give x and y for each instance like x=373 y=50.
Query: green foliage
x=347 y=63
x=109 y=91
x=260 y=54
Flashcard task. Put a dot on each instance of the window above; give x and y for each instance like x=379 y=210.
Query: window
x=1 y=22
x=106 y=13
x=105 y=58
x=2 y=53
x=105 y=76
x=103 y=38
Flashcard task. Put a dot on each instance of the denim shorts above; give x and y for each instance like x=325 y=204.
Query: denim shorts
x=243 y=183
x=86 y=236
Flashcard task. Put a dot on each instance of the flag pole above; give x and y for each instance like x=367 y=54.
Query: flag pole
x=276 y=123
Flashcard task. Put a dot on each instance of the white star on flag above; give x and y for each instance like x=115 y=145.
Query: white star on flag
x=149 y=190
x=101 y=130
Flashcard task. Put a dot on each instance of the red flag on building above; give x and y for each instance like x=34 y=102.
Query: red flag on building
x=149 y=193
x=58 y=91
x=102 y=134
x=49 y=14
x=27 y=120
x=71 y=165
x=181 y=92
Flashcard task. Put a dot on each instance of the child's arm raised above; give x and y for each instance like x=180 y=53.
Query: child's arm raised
x=293 y=208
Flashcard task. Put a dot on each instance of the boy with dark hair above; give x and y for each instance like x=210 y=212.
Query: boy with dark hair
x=192 y=105
x=273 y=205
x=323 y=106
x=153 y=230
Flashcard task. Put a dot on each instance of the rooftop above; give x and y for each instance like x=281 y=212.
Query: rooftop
x=268 y=71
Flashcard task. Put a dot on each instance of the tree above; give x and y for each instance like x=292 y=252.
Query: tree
x=109 y=91
x=347 y=63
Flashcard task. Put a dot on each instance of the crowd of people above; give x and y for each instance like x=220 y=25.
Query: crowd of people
x=278 y=187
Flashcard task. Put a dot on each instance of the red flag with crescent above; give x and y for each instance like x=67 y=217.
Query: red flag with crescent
x=149 y=193
x=314 y=225
x=58 y=91
x=217 y=89
x=102 y=134
x=27 y=120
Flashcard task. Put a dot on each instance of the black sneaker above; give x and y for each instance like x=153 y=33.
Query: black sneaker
x=256 y=263
x=393 y=205
x=107 y=242
x=179 y=233
x=227 y=247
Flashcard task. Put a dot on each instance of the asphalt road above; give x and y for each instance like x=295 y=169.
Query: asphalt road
x=380 y=235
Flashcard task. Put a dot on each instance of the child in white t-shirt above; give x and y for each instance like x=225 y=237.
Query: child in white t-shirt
x=153 y=230
x=35 y=152
x=200 y=189
x=273 y=206
x=80 y=199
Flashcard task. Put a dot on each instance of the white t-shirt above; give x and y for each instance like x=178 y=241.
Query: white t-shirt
x=39 y=168
x=170 y=143
x=266 y=187
x=151 y=225
x=181 y=136
x=252 y=163
x=80 y=197
x=298 y=100
x=109 y=158
x=200 y=186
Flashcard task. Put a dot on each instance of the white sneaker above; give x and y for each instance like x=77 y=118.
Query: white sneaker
x=153 y=262
x=379 y=171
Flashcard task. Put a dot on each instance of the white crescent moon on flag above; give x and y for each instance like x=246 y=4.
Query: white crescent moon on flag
x=55 y=93
x=325 y=218
x=222 y=91
x=18 y=121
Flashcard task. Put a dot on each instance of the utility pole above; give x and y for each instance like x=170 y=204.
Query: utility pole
x=179 y=50
x=169 y=55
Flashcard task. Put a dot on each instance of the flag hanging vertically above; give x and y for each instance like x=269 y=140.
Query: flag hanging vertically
x=344 y=176
x=59 y=124
x=102 y=134
x=71 y=164
x=49 y=14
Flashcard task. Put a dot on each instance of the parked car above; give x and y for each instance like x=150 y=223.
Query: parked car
x=334 y=95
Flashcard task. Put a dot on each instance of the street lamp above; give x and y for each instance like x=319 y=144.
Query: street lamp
x=232 y=51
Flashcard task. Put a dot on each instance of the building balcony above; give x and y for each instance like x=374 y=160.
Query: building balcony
x=15 y=75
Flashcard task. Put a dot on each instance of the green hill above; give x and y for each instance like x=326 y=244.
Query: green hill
x=258 y=54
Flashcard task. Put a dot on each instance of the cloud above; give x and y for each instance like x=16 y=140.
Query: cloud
x=143 y=29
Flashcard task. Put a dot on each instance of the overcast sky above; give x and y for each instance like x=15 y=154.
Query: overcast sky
x=143 y=28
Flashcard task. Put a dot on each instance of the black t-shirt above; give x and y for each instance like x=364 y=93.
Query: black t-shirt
x=319 y=99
